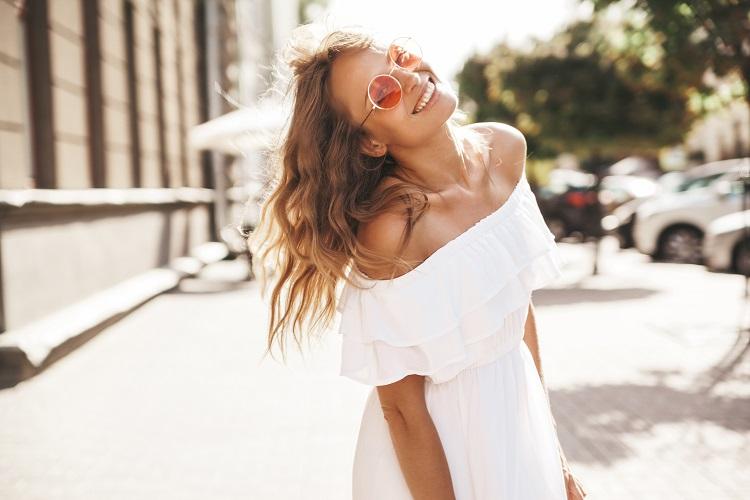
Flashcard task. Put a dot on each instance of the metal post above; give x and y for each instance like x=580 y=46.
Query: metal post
x=597 y=229
x=745 y=177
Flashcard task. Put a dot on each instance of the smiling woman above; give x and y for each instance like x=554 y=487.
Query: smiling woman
x=437 y=237
x=332 y=176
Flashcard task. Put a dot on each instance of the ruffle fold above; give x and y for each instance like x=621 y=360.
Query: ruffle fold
x=463 y=306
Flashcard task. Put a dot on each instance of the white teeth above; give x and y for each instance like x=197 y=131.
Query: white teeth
x=425 y=97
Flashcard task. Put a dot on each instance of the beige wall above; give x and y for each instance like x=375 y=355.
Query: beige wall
x=175 y=21
x=14 y=165
x=70 y=257
x=69 y=94
x=718 y=135
x=168 y=27
x=191 y=85
x=58 y=247
x=115 y=90
x=146 y=83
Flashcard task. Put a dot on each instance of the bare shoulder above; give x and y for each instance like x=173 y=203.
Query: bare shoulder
x=508 y=147
x=402 y=400
x=383 y=234
x=501 y=134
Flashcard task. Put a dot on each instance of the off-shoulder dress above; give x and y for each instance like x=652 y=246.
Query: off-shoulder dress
x=458 y=318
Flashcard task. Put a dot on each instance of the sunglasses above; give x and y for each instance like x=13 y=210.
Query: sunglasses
x=384 y=91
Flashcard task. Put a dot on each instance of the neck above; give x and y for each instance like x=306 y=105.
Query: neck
x=437 y=164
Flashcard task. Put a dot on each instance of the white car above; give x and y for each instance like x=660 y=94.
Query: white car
x=622 y=219
x=671 y=226
x=723 y=248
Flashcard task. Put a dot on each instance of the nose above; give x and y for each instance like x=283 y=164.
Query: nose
x=410 y=80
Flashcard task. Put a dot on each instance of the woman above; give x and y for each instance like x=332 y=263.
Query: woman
x=435 y=233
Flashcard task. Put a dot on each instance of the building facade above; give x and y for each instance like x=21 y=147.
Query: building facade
x=722 y=135
x=98 y=183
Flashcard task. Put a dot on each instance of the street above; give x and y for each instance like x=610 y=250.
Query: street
x=175 y=402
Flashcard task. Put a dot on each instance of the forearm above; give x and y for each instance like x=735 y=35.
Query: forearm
x=532 y=341
x=422 y=458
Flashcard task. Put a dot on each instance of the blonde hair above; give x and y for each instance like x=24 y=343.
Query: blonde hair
x=322 y=189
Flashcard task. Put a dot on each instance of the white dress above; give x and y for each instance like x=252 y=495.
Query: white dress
x=458 y=318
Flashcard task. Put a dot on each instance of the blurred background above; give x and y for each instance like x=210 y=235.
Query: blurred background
x=133 y=137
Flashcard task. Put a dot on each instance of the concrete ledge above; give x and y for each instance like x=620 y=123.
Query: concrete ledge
x=28 y=350
x=97 y=197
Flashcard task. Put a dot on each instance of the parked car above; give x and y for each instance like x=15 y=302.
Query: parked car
x=628 y=191
x=569 y=203
x=637 y=166
x=624 y=216
x=726 y=246
x=671 y=226
x=615 y=190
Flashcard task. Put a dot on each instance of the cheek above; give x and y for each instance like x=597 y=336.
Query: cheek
x=399 y=126
x=450 y=99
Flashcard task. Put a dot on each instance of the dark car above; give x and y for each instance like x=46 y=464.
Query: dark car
x=570 y=204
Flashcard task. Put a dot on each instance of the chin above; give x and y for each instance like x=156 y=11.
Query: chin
x=447 y=109
x=449 y=101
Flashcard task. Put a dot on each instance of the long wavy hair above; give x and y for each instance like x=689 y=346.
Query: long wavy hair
x=321 y=189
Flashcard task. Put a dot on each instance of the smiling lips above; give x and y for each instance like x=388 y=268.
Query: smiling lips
x=428 y=93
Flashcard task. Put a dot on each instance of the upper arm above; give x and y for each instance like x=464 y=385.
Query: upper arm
x=508 y=146
x=404 y=399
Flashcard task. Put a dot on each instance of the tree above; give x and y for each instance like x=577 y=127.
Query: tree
x=578 y=92
x=699 y=35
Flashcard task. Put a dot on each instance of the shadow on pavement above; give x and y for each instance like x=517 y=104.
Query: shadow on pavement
x=729 y=366
x=204 y=286
x=576 y=295
x=595 y=422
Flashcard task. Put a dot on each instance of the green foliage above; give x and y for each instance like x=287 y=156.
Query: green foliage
x=699 y=34
x=613 y=87
x=576 y=93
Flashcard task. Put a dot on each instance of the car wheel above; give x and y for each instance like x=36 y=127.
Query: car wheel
x=742 y=258
x=557 y=228
x=683 y=245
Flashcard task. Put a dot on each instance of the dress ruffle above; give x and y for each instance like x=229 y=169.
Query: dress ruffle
x=465 y=305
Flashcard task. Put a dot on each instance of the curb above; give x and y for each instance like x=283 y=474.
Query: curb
x=28 y=350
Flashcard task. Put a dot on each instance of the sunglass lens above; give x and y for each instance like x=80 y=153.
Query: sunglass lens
x=385 y=91
x=405 y=53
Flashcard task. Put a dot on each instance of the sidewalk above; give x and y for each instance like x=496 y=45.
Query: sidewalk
x=630 y=359
x=175 y=402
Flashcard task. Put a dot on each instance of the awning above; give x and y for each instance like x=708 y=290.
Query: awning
x=246 y=129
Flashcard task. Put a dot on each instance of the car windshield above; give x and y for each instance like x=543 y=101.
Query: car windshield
x=699 y=182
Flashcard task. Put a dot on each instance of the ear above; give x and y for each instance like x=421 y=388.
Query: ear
x=372 y=147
